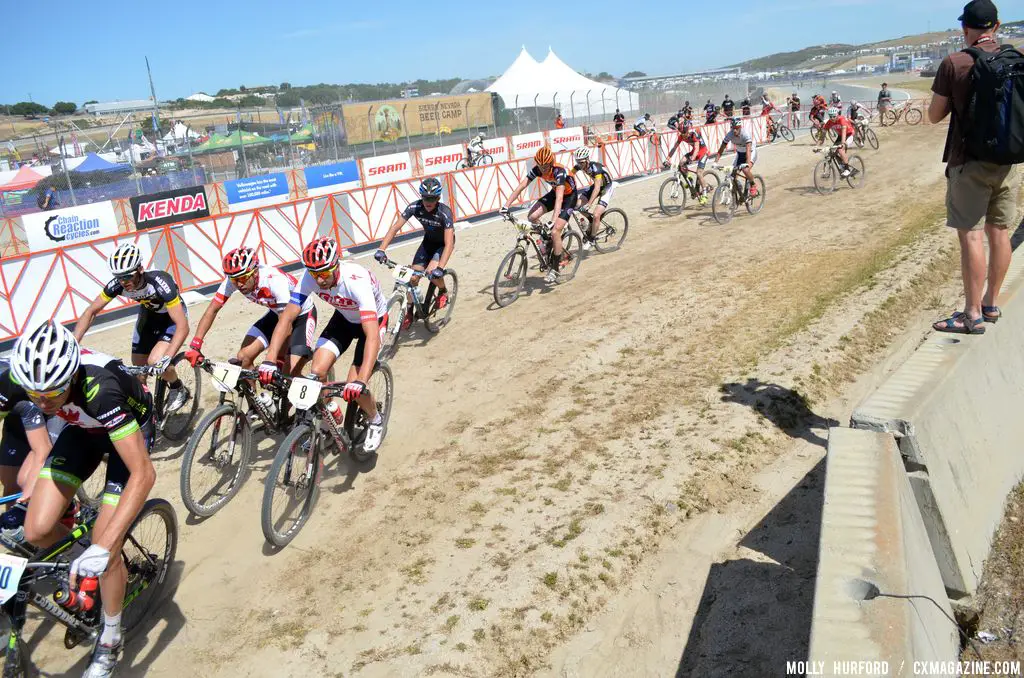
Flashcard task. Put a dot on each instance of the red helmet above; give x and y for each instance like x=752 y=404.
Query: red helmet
x=240 y=261
x=320 y=254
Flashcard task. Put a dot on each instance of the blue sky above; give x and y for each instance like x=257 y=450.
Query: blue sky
x=205 y=45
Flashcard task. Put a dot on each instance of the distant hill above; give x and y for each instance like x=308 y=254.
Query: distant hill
x=791 y=59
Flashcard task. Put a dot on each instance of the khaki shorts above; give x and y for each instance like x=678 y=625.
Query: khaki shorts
x=980 y=193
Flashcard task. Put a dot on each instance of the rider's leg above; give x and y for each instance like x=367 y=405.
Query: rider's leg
x=9 y=479
x=114 y=581
x=74 y=457
x=301 y=349
x=251 y=348
x=324 y=358
x=556 y=236
x=595 y=225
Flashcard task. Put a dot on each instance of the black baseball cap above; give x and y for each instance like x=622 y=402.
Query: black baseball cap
x=979 y=14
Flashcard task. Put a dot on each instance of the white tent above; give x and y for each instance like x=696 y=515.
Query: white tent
x=553 y=84
x=180 y=131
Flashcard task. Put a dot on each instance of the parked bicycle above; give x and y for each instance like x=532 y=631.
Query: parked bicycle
x=735 y=191
x=863 y=134
x=674 y=191
x=292 y=486
x=39 y=578
x=511 y=276
x=611 y=235
x=828 y=171
x=434 y=317
x=910 y=113
x=475 y=160
x=173 y=424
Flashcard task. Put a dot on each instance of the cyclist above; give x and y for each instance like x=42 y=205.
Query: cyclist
x=846 y=131
x=709 y=112
x=746 y=151
x=642 y=123
x=884 y=98
x=24 y=446
x=596 y=197
x=162 y=324
x=698 y=153
x=727 y=106
x=265 y=286
x=438 y=242
x=561 y=199
x=475 y=148
x=745 y=106
x=687 y=110
x=818 y=111
x=836 y=100
x=360 y=314
x=108 y=412
x=674 y=121
x=859 y=113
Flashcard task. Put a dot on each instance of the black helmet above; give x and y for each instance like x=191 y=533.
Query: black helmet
x=430 y=188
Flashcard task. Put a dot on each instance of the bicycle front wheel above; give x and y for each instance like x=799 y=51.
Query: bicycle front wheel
x=572 y=245
x=148 y=553
x=397 y=308
x=913 y=116
x=461 y=165
x=436 y=318
x=871 y=138
x=216 y=460
x=484 y=159
x=722 y=206
x=824 y=176
x=510 y=278
x=786 y=133
x=614 y=225
x=382 y=388
x=672 y=197
x=857 y=178
x=291 y=487
x=756 y=204
x=16 y=662
x=889 y=118
x=175 y=425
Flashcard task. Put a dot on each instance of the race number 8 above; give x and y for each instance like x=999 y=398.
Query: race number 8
x=303 y=393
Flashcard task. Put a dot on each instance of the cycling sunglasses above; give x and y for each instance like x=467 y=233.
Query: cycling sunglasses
x=243 y=279
x=48 y=395
x=324 y=274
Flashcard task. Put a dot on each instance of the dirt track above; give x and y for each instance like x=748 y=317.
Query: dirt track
x=565 y=437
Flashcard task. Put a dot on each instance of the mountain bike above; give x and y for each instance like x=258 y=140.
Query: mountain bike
x=294 y=479
x=511 y=276
x=173 y=424
x=674 y=190
x=212 y=472
x=39 y=578
x=407 y=286
x=614 y=226
x=863 y=134
x=911 y=114
x=735 y=191
x=780 y=130
x=475 y=160
x=828 y=170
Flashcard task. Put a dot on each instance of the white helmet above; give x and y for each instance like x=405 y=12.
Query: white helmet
x=125 y=259
x=833 y=112
x=582 y=153
x=45 y=358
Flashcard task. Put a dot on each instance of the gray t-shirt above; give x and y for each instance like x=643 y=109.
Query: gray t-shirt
x=740 y=141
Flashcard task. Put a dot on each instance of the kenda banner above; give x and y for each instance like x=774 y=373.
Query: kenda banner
x=390 y=120
x=525 y=145
x=386 y=168
x=443 y=159
x=60 y=228
x=325 y=179
x=568 y=139
x=245 y=192
x=168 y=207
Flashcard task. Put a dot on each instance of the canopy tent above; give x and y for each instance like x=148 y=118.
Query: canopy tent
x=551 y=83
x=94 y=163
x=220 y=142
x=303 y=134
x=180 y=131
x=25 y=179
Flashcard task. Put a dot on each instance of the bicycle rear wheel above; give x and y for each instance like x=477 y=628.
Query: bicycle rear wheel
x=510 y=278
x=614 y=225
x=396 y=309
x=484 y=159
x=824 y=176
x=722 y=205
x=216 y=460
x=291 y=487
x=572 y=244
x=786 y=133
x=871 y=138
x=382 y=388
x=672 y=197
x=175 y=425
x=461 y=165
x=436 y=318
x=148 y=554
x=913 y=116
x=855 y=180
x=755 y=205
x=889 y=118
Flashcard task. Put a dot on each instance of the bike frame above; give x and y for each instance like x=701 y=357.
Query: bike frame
x=525 y=233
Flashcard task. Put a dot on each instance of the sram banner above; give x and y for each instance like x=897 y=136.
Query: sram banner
x=525 y=145
x=497 y=149
x=386 y=169
x=568 y=139
x=60 y=228
x=444 y=159
x=168 y=207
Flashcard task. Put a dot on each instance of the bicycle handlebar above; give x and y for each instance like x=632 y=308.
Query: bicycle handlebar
x=146 y=370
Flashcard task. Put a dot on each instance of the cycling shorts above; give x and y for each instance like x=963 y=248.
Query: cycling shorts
x=77 y=453
x=152 y=328
x=741 y=158
x=700 y=155
x=568 y=203
x=339 y=334
x=301 y=342
x=427 y=252
x=603 y=199
x=14 y=448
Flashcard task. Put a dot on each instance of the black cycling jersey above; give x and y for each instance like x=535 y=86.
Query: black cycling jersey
x=157 y=293
x=103 y=397
x=673 y=121
x=594 y=170
x=556 y=176
x=434 y=223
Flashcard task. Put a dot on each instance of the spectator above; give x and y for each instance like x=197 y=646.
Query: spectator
x=620 y=121
x=559 y=122
x=727 y=106
x=48 y=200
x=979 y=195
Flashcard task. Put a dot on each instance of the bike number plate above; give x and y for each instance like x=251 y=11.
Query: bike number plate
x=303 y=393
x=406 y=274
x=225 y=376
x=11 y=569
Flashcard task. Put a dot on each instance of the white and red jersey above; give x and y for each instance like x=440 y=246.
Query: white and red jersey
x=273 y=290
x=356 y=294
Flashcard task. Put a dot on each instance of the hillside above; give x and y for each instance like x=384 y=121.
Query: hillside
x=805 y=58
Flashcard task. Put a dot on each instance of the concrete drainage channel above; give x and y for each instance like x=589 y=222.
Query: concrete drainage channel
x=914 y=492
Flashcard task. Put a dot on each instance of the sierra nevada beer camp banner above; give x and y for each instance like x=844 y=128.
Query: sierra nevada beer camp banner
x=384 y=120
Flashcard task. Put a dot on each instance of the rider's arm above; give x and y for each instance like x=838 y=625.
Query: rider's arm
x=39 y=449
x=749 y=150
x=449 y=247
x=132 y=450
x=97 y=305
x=596 y=192
x=361 y=287
x=176 y=310
x=206 y=322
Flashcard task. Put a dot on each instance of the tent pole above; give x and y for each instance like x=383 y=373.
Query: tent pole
x=536 y=113
x=572 y=109
x=590 y=118
x=64 y=166
x=519 y=127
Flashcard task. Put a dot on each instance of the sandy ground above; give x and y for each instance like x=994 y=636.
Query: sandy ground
x=569 y=482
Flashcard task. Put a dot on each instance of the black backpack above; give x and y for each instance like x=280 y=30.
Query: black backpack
x=994 y=128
